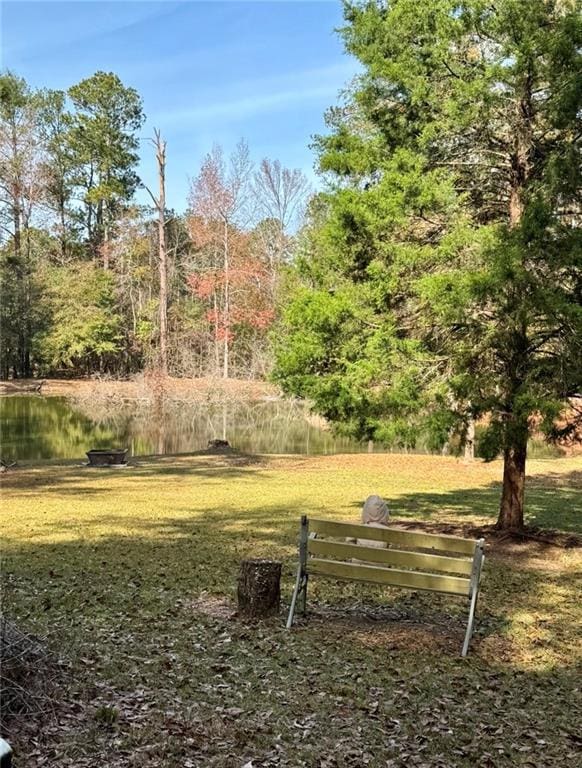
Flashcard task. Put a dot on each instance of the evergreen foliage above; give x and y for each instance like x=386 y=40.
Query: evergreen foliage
x=85 y=330
x=442 y=274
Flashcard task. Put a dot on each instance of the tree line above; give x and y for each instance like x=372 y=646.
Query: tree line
x=92 y=282
x=434 y=283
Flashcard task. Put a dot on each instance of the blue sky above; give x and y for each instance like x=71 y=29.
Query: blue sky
x=207 y=71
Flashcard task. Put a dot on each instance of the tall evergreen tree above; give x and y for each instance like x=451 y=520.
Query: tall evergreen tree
x=445 y=280
x=103 y=141
x=55 y=123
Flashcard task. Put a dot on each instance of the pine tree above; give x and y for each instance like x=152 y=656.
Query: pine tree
x=103 y=146
x=443 y=281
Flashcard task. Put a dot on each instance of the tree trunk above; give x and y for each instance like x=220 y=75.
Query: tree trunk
x=216 y=335
x=98 y=232
x=513 y=494
x=259 y=588
x=16 y=196
x=90 y=208
x=159 y=421
x=226 y=315
x=19 y=273
x=62 y=205
x=105 y=248
x=470 y=440
x=160 y=203
x=163 y=258
x=17 y=242
x=511 y=510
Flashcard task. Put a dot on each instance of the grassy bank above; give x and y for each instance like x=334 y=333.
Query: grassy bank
x=131 y=573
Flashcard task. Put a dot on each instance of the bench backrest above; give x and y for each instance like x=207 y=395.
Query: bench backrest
x=409 y=561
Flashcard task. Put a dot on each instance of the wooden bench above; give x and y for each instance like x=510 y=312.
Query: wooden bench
x=325 y=549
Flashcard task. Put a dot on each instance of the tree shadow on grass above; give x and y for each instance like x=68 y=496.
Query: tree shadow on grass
x=204 y=464
x=553 y=501
x=122 y=600
x=114 y=557
x=204 y=546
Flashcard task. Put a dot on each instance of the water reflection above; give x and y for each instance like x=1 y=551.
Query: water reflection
x=36 y=427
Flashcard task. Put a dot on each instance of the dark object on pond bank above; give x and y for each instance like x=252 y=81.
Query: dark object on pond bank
x=218 y=445
x=109 y=457
x=259 y=588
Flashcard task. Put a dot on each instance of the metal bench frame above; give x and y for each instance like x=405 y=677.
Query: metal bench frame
x=356 y=562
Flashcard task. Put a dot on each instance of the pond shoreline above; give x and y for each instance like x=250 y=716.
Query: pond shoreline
x=164 y=416
x=161 y=421
x=146 y=387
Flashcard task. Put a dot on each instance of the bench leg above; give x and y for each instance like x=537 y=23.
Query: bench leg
x=304 y=590
x=469 y=631
x=298 y=584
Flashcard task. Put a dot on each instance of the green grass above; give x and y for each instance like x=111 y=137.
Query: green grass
x=129 y=573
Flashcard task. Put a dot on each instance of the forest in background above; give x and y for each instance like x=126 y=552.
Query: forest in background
x=92 y=282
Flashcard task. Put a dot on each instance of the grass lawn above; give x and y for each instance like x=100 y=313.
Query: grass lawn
x=130 y=574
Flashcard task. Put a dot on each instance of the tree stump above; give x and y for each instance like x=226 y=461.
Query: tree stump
x=218 y=445
x=259 y=588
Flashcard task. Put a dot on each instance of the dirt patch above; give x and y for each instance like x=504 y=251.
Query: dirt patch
x=388 y=627
x=496 y=649
x=401 y=637
x=534 y=555
x=541 y=536
x=201 y=460
x=532 y=537
x=555 y=480
x=534 y=549
x=214 y=607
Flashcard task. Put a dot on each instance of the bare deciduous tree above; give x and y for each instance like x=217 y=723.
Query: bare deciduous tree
x=160 y=205
x=280 y=195
x=219 y=201
x=22 y=186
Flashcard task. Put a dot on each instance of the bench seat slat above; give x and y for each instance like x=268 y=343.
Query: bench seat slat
x=341 y=551
x=412 y=539
x=389 y=576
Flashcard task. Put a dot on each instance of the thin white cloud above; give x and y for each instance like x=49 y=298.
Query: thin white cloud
x=265 y=95
x=245 y=107
x=61 y=31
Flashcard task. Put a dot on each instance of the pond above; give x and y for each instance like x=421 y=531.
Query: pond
x=35 y=427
